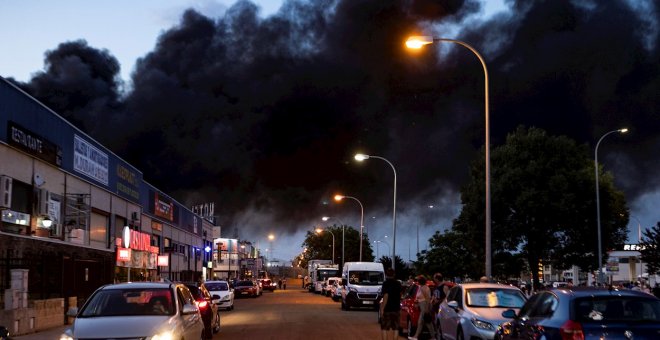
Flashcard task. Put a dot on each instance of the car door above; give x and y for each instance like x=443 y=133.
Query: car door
x=407 y=304
x=519 y=326
x=450 y=317
x=191 y=324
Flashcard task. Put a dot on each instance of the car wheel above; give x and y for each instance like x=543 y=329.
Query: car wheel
x=216 y=324
x=459 y=334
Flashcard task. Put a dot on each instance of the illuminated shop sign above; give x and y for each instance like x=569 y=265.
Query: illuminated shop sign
x=636 y=247
x=138 y=241
x=90 y=161
x=35 y=145
x=123 y=254
x=163 y=207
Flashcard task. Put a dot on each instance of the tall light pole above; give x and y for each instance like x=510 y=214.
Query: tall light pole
x=271 y=237
x=318 y=231
x=360 y=157
x=418 y=42
x=600 y=245
x=639 y=242
x=325 y=218
x=378 y=242
x=339 y=198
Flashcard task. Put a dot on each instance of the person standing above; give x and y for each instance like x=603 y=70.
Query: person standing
x=390 y=308
x=423 y=300
x=284 y=283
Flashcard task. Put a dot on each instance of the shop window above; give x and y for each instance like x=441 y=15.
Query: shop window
x=155 y=241
x=99 y=228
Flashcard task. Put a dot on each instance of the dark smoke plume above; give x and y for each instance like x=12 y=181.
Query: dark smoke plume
x=263 y=115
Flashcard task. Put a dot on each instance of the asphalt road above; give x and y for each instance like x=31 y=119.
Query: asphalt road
x=296 y=314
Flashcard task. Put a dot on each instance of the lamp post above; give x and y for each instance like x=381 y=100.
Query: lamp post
x=600 y=246
x=360 y=157
x=378 y=242
x=639 y=242
x=418 y=42
x=325 y=218
x=339 y=198
x=318 y=231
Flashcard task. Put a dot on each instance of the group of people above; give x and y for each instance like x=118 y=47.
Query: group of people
x=427 y=300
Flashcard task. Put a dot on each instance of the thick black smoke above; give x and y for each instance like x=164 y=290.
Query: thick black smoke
x=263 y=115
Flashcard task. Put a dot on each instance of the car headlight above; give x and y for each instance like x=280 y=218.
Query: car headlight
x=482 y=324
x=65 y=337
x=225 y=298
x=167 y=335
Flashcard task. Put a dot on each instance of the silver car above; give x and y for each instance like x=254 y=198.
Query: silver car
x=142 y=310
x=474 y=310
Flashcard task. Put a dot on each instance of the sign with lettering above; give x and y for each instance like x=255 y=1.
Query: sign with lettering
x=90 y=161
x=30 y=142
x=163 y=207
x=128 y=182
x=138 y=241
x=123 y=254
x=635 y=247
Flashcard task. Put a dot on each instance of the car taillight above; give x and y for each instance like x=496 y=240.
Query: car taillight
x=202 y=304
x=571 y=330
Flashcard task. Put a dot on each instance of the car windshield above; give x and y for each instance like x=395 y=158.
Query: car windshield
x=494 y=298
x=612 y=307
x=130 y=301
x=366 y=277
x=217 y=286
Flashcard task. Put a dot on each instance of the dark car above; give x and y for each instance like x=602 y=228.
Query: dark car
x=584 y=313
x=267 y=284
x=207 y=308
x=409 y=314
x=246 y=288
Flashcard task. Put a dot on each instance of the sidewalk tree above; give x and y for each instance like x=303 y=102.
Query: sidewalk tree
x=542 y=190
x=319 y=245
x=650 y=249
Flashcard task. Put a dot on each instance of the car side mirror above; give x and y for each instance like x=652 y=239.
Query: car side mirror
x=509 y=314
x=189 y=309
x=453 y=305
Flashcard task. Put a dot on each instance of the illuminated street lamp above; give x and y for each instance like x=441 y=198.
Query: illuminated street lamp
x=360 y=157
x=326 y=218
x=339 y=198
x=600 y=246
x=378 y=242
x=419 y=41
x=318 y=231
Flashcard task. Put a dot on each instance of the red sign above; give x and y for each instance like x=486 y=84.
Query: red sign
x=163 y=260
x=123 y=254
x=163 y=208
x=139 y=241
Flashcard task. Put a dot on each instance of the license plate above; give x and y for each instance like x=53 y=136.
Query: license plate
x=367 y=302
x=244 y=292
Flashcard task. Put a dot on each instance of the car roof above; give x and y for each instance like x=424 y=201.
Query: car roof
x=143 y=285
x=599 y=291
x=487 y=285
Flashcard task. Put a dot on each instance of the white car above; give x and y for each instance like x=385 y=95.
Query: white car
x=474 y=310
x=335 y=291
x=327 y=285
x=225 y=292
x=141 y=310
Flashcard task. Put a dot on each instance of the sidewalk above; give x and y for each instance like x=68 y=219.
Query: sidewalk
x=47 y=334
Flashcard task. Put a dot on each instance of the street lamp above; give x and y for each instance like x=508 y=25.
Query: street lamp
x=600 y=251
x=418 y=42
x=639 y=242
x=378 y=242
x=318 y=231
x=325 y=218
x=360 y=157
x=339 y=198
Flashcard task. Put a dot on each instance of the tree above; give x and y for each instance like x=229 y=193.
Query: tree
x=401 y=271
x=650 y=249
x=543 y=199
x=319 y=245
x=448 y=254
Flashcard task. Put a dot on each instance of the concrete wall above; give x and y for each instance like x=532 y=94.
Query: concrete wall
x=40 y=315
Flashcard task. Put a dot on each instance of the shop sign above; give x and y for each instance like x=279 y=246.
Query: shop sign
x=636 y=247
x=137 y=241
x=34 y=144
x=90 y=161
x=156 y=226
x=128 y=182
x=163 y=208
x=124 y=254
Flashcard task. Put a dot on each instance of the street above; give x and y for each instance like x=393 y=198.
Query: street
x=296 y=314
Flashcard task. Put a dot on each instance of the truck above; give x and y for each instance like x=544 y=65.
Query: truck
x=362 y=283
x=319 y=271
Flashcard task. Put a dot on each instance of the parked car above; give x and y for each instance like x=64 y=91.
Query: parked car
x=328 y=284
x=586 y=313
x=246 y=288
x=409 y=310
x=336 y=291
x=207 y=308
x=224 y=290
x=140 y=310
x=474 y=310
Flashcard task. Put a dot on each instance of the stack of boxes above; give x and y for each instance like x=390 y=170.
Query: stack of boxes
x=17 y=296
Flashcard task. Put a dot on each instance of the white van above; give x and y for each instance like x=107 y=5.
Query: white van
x=362 y=282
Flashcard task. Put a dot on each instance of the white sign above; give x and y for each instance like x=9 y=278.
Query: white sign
x=89 y=160
x=126 y=236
